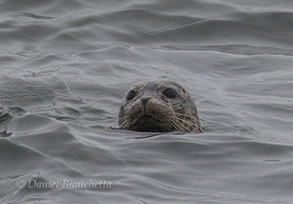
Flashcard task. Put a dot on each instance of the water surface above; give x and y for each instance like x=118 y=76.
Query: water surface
x=66 y=65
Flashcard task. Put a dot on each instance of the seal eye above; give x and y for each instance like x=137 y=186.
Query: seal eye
x=170 y=93
x=131 y=94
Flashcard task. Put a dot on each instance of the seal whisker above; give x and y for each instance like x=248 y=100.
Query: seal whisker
x=185 y=116
x=186 y=125
x=184 y=121
x=124 y=125
x=115 y=126
x=174 y=125
x=178 y=126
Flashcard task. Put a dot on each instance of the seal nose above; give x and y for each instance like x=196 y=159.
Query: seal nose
x=144 y=100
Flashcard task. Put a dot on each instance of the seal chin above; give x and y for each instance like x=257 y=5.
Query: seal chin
x=149 y=124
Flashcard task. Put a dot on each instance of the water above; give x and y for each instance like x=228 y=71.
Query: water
x=65 y=66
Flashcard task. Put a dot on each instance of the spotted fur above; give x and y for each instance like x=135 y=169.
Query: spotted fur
x=160 y=113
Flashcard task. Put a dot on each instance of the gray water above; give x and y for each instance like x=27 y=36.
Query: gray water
x=66 y=65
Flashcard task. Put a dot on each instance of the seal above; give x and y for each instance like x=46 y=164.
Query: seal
x=158 y=106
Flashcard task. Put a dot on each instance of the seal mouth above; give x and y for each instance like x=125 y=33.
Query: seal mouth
x=148 y=118
x=149 y=124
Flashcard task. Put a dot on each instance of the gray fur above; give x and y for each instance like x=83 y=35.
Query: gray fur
x=160 y=113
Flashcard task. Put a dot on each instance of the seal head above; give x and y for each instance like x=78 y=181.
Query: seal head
x=158 y=106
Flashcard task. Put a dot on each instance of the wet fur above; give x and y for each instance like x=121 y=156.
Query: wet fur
x=160 y=114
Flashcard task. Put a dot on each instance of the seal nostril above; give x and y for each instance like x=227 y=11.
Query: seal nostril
x=144 y=101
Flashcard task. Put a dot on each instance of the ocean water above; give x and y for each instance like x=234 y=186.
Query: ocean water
x=66 y=65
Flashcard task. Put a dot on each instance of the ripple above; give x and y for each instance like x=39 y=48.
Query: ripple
x=65 y=66
x=21 y=93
